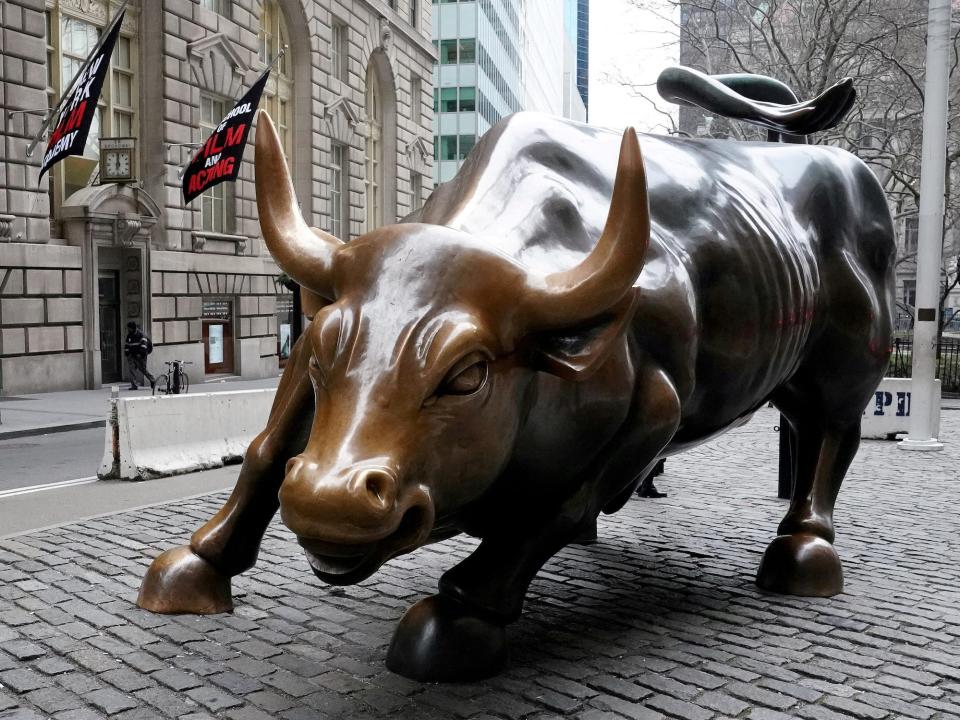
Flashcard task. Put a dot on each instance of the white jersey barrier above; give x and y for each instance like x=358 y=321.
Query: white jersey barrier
x=150 y=437
x=889 y=410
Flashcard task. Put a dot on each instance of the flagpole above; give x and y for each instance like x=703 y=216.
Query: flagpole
x=66 y=95
x=276 y=58
x=925 y=403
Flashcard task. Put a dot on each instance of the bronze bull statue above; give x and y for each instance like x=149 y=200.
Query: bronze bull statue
x=510 y=361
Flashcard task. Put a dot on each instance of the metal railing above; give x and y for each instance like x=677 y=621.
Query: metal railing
x=948 y=362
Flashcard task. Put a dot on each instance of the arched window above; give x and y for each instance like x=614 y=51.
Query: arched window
x=374 y=151
x=278 y=95
x=71 y=34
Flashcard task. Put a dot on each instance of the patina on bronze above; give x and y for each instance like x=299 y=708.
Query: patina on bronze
x=513 y=359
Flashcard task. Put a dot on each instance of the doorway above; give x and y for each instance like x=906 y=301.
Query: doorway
x=110 y=339
x=217 y=335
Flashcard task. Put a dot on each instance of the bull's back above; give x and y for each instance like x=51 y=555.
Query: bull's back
x=750 y=241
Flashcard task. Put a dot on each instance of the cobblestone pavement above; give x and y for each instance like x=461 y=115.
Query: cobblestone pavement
x=661 y=618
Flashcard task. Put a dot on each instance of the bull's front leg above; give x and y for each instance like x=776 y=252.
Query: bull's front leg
x=195 y=578
x=460 y=634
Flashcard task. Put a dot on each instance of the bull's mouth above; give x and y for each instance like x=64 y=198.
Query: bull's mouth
x=339 y=563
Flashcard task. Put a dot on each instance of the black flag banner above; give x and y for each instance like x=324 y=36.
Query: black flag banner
x=69 y=135
x=218 y=160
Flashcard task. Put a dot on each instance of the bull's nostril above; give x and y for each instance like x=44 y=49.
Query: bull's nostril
x=378 y=486
x=374 y=487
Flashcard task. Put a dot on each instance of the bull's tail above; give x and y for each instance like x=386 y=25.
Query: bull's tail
x=759 y=100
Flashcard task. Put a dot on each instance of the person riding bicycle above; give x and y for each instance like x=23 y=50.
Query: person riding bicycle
x=136 y=347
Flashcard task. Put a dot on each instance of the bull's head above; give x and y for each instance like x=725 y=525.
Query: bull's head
x=422 y=348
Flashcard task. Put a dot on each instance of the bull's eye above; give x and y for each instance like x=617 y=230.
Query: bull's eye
x=464 y=381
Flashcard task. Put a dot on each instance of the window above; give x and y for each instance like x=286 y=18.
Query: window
x=448 y=99
x=910 y=292
x=466 y=145
x=911 y=232
x=374 y=151
x=448 y=52
x=448 y=147
x=454 y=51
x=339 y=172
x=468 y=99
x=124 y=89
x=453 y=147
x=416 y=191
x=221 y=7
x=338 y=50
x=213 y=203
x=77 y=40
x=468 y=50
x=70 y=37
x=416 y=100
x=414 y=12
x=278 y=94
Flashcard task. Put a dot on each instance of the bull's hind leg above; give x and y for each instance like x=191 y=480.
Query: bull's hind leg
x=195 y=578
x=801 y=560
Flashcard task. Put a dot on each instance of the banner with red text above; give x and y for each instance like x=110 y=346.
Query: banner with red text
x=69 y=135
x=218 y=160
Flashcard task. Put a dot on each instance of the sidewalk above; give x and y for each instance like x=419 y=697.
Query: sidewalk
x=25 y=415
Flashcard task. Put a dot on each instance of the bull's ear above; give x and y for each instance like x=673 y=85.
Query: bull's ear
x=574 y=354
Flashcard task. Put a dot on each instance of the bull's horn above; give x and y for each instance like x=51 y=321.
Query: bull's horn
x=303 y=253
x=604 y=277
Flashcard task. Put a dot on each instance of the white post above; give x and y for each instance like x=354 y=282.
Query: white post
x=925 y=401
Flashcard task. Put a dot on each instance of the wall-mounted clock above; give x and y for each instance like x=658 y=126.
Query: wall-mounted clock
x=118 y=160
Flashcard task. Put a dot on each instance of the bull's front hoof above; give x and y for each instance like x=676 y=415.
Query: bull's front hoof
x=180 y=581
x=442 y=640
x=801 y=564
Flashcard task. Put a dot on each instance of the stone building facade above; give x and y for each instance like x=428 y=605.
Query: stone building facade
x=79 y=258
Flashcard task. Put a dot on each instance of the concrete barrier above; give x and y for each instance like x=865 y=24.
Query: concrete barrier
x=889 y=411
x=152 y=437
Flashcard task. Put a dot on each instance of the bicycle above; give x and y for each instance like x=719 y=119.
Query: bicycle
x=174 y=381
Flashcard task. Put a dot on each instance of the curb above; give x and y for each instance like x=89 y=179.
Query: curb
x=49 y=429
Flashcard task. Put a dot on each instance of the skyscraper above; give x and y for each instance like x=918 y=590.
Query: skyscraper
x=477 y=76
x=497 y=57
x=583 y=52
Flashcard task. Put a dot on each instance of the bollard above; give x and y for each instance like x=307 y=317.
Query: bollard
x=786 y=469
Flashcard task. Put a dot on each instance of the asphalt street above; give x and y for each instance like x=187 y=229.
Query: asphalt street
x=43 y=459
x=51 y=479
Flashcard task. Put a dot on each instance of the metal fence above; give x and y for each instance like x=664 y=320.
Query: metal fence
x=903 y=321
x=948 y=362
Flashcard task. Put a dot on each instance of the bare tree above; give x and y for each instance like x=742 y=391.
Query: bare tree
x=811 y=44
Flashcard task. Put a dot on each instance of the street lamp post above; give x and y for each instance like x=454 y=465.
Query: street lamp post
x=925 y=401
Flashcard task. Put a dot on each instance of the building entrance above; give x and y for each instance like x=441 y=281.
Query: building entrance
x=111 y=341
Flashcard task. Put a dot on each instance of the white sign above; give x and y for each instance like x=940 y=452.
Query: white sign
x=889 y=410
x=215 y=345
x=285 y=340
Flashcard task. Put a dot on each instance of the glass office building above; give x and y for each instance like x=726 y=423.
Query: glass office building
x=477 y=79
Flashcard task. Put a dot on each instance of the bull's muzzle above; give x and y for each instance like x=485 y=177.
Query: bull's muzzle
x=352 y=521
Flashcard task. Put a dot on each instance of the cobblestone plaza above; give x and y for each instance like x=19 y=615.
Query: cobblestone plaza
x=659 y=619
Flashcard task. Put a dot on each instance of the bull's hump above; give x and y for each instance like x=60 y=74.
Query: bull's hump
x=537 y=188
